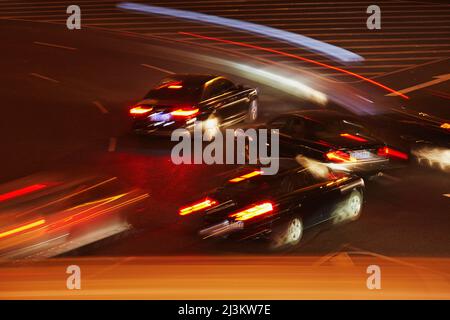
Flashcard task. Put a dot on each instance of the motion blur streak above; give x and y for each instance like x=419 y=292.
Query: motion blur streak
x=284 y=83
x=353 y=137
x=434 y=157
x=293 y=38
x=72 y=195
x=286 y=54
x=86 y=215
x=21 y=192
x=188 y=277
x=246 y=176
x=22 y=228
x=197 y=206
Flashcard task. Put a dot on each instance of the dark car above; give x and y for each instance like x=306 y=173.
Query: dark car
x=278 y=207
x=180 y=101
x=338 y=139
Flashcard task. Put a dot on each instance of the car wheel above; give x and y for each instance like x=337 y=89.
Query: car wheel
x=351 y=209
x=287 y=234
x=252 y=114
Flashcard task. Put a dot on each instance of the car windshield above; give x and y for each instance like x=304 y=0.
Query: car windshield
x=174 y=89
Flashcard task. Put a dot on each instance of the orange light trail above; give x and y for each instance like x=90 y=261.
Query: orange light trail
x=290 y=55
x=184 y=112
x=246 y=176
x=197 y=206
x=22 y=228
x=252 y=212
x=140 y=110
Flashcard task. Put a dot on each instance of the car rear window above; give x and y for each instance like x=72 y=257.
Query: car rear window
x=174 y=89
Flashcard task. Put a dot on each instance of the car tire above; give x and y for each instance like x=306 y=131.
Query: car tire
x=252 y=113
x=287 y=234
x=351 y=209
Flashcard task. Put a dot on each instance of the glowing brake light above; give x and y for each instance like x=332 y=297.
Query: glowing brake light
x=246 y=176
x=339 y=156
x=389 y=152
x=185 y=112
x=252 y=212
x=353 y=137
x=445 y=125
x=22 y=228
x=197 y=207
x=140 y=110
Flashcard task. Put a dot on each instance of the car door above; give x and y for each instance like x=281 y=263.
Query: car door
x=219 y=96
x=285 y=140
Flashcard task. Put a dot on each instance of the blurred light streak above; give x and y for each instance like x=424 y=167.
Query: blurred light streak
x=290 y=55
x=87 y=215
x=21 y=192
x=293 y=38
x=246 y=176
x=434 y=157
x=197 y=206
x=252 y=212
x=71 y=195
x=353 y=137
x=285 y=83
x=22 y=228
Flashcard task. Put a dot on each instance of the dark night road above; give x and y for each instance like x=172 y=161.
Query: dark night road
x=64 y=108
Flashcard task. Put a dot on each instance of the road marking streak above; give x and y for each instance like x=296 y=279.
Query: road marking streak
x=157 y=68
x=53 y=45
x=40 y=76
x=100 y=107
x=112 y=144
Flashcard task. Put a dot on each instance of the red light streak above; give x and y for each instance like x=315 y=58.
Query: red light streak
x=21 y=192
x=389 y=152
x=353 y=137
x=290 y=55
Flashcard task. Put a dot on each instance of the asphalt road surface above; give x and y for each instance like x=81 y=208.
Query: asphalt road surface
x=65 y=96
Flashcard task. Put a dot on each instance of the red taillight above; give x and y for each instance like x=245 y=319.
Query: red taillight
x=197 y=207
x=246 y=176
x=254 y=211
x=391 y=153
x=140 y=110
x=185 y=112
x=353 y=137
x=339 y=156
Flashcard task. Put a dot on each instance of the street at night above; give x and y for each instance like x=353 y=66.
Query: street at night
x=79 y=184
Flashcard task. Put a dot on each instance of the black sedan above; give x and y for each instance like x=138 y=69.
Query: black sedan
x=338 y=139
x=180 y=101
x=280 y=207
